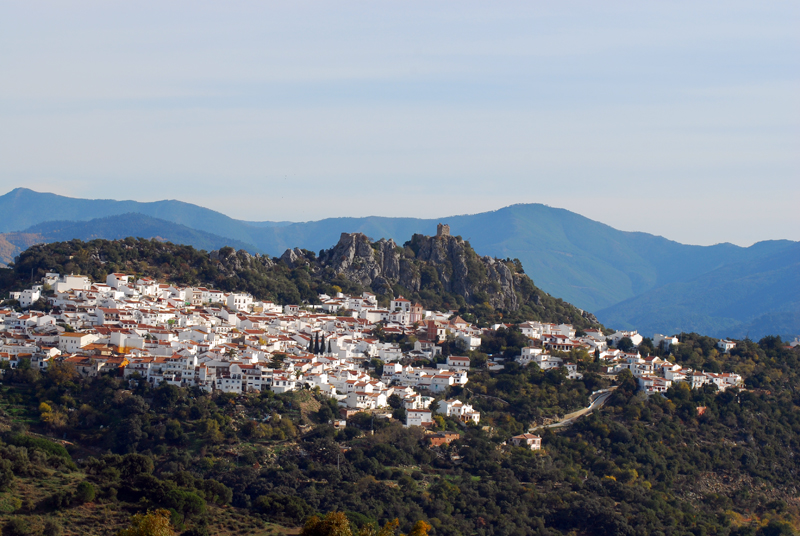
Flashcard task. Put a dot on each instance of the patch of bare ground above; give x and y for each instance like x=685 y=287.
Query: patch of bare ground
x=726 y=485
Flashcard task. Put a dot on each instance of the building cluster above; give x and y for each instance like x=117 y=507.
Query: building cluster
x=656 y=375
x=230 y=342
x=545 y=338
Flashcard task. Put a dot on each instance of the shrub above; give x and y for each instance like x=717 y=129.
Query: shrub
x=85 y=492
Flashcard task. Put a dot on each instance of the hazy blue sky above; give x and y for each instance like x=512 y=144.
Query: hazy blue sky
x=680 y=119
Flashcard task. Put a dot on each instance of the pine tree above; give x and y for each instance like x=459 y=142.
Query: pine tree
x=322 y=344
x=316 y=344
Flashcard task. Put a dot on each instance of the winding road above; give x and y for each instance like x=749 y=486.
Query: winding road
x=597 y=400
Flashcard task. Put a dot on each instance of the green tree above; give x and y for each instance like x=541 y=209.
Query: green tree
x=85 y=492
x=395 y=401
x=60 y=373
x=776 y=528
x=399 y=414
x=440 y=422
x=6 y=474
x=209 y=428
x=333 y=524
x=625 y=344
x=17 y=526
x=377 y=364
x=156 y=523
x=420 y=528
x=52 y=528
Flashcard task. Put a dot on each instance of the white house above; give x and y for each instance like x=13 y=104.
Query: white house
x=697 y=379
x=400 y=304
x=416 y=401
x=632 y=335
x=146 y=286
x=572 y=371
x=726 y=346
x=653 y=384
x=458 y=363
x=72 y=342
x=724 y=380
x=532 y=330
x=27 y=297
x=468 y=341
x=72 y=282
x=531 y=441
x=364 y=400
x=459 y=410
x=418 y=417
x=240 y=302
x=117 y=280
x=283 y=383
x=664 y=340
x=528 y=355
x=442 y=381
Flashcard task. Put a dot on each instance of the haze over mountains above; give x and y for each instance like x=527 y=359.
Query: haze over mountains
x=628 y=279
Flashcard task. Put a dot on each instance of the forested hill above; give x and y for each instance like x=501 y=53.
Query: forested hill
x=442 y=273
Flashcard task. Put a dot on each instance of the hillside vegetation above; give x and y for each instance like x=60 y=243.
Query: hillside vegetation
x=687 y=463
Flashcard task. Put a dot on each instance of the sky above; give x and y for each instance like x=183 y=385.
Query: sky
x=680 y=119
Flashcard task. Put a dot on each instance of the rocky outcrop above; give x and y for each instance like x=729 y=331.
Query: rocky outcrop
x=231 y=262
x=293 y=257
x=438 y=263
x=356 y=257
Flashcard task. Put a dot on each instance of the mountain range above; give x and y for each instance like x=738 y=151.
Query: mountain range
x=627 y=279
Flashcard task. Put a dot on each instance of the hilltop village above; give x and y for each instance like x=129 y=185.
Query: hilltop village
x=158 y=333
x=279 y=410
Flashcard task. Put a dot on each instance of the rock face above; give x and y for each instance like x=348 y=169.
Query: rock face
x=442 y=262
x=230 y=261
x=291 y=256
x=361 y=261
x=438 y=271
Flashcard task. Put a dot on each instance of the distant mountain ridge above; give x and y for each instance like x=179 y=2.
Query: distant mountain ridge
x=22 y=208
x=721 y=302
x=615 y=274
